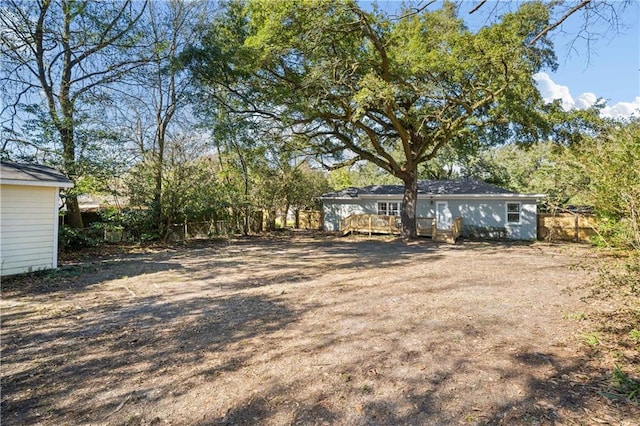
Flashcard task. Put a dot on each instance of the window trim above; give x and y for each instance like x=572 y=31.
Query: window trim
x=387 y=210
x=519 y=213
x=379 y=210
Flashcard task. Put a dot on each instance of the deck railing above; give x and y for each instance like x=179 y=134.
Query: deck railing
x=371 y=224
x=382 y=224
x=456 y=229
x=426 y=226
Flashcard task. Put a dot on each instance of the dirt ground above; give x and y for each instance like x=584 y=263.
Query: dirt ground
x=304 y=328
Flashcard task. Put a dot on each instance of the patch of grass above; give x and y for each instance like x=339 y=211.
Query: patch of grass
x=575 y=316
x=367 y=389
x=134 y=420
x=634 y=335
x=623 y=387
x=591 y=339
x=346 y=377
x=618 y=355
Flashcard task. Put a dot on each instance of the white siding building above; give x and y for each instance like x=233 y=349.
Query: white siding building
x=29 y=203
x=486 y=210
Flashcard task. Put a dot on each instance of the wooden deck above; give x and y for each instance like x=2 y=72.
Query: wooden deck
x=379 y=224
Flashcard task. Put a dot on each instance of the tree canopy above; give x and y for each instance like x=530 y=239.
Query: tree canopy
x=361 y=86
x=101 y=90
x=60 y=58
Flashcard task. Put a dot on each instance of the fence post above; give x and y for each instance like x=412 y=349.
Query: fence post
x=370 y=230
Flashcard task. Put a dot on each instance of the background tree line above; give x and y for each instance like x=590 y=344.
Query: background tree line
x=95 y=89
x=212 y=111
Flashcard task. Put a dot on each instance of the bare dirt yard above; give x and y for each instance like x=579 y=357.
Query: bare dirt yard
x=304 y=328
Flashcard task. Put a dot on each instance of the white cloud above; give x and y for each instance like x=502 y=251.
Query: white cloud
x=622 y=109
x=551 y=91
x=586 y=100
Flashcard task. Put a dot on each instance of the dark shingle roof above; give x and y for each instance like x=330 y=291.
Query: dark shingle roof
x=10 y=171
x=428 y=187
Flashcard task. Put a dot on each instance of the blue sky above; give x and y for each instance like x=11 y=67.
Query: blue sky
x=607 y=67
x=612 y=69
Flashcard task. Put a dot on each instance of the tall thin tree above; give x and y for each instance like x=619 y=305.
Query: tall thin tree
x=64 y=54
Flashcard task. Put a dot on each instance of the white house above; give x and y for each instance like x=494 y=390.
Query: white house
x=485 y=210
x=29 y=203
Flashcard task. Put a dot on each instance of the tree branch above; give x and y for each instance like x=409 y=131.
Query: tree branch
x=556 y=24
x=415 y=11
x=340 y=165
x=104 y=42
x=478 y=6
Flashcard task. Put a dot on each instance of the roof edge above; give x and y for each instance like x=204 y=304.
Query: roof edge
x=48 y=183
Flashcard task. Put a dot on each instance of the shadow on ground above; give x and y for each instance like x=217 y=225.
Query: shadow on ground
x=227 y=321
x=85 y=359
x=568 y=396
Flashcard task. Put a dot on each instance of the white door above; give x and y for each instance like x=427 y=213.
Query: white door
x=443 y=215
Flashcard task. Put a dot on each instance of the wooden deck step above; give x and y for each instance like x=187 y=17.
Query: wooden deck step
x=444 y=236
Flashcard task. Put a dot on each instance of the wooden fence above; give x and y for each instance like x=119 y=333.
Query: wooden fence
x=308 y=219
x=195 y=230
x=565 y=227
x=258 y=221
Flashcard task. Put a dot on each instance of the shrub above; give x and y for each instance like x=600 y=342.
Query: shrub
x=73 y=239
x=139 y=224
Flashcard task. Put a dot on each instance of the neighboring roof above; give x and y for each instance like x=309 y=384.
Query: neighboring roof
x=95 y=202
x=456 y=187
x=32 y=175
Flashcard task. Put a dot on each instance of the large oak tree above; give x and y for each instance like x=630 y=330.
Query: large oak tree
x=363 y=86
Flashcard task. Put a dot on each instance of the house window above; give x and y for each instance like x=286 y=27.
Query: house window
x=513 y=212
x=386 y=208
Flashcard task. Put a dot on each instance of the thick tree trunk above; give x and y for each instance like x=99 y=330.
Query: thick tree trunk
x=74 y=217
x=247 y=210
x=271 y=220
x=157 y=191
x=158 y=171
x=283 y=216
x=409 y=203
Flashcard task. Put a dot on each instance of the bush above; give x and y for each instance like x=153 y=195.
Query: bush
x=73 y=239
x=619 y=279
x=617 y=233
x=139 y=224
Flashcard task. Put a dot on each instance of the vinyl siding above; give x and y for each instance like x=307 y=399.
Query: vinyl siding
x=27 y=228
x=335 y=210
x=488 y=213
